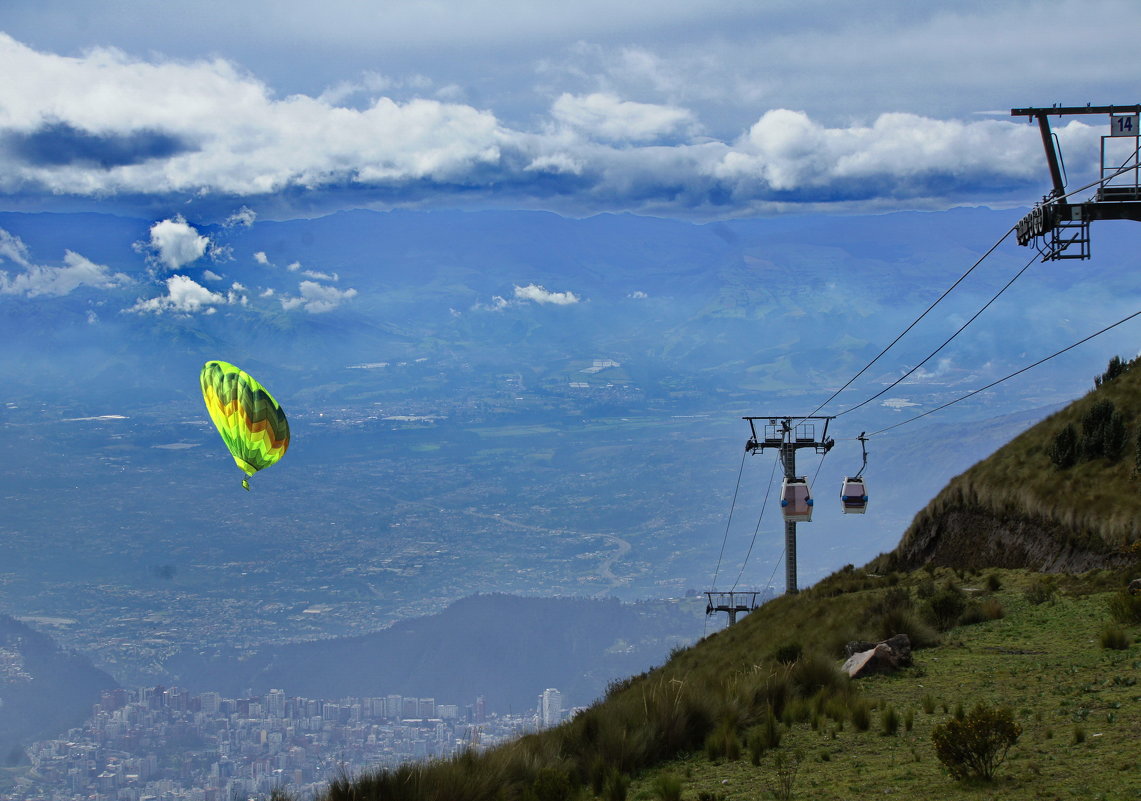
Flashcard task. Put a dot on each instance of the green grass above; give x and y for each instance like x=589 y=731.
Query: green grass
x=1044 y=661
x=1092 y=506
x=700 y=718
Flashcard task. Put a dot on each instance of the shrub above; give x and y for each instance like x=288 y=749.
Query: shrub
x=783 y=779
x=928 y=702
x=1063 y=451
x=667 y=787
x=860 y=710
x=615 y=787
x=769 y=731
x=1040 y=590
x=926 y=587
x=816 y=671
x=723 y=742
x=1117 y=366
x=993 y=582
x=788 y=653
x=1114 y=637
x=982 y=611
x=551 y=785
x=946 y=606
x=1125 y=608
x=977 y=744
x=889 y=722
x=1103 y=432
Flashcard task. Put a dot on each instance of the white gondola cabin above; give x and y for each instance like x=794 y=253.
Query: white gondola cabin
x=796 y=500
x=854 y=496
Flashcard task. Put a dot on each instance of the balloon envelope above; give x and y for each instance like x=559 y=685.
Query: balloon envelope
x=251 y=422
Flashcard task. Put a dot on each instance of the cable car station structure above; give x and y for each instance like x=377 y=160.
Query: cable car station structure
x=1058 y=227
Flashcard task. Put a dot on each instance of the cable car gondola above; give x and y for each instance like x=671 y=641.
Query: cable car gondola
x=854 y=496
x=796 y=500
x=853 y=492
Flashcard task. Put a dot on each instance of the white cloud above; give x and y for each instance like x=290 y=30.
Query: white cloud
x=175 y=243
x=316 y=298
x=261 y=258
x=107 y=125
x=538 y=294
x=210 y=275
x=37 y=280
x=320 y=276
x=294 y=267
x=638 y=294
x=245 y=217
x=607 y=117
x=183 y=296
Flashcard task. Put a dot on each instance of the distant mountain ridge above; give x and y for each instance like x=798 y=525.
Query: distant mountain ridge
x=503 y=647
x=44 y=690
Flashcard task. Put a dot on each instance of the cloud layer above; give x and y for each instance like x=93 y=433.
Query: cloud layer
x=105 y=124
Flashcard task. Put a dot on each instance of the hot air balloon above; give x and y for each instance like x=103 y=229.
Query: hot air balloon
x=251 y=422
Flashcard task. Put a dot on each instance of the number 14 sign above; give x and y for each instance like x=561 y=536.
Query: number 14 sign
x=1123 y=125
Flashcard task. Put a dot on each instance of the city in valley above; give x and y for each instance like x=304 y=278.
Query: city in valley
x=169 y=745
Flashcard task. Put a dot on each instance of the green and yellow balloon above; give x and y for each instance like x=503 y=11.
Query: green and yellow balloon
x=251 y=422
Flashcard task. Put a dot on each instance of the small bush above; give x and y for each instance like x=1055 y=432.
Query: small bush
x=977 y=744
x=889 y=722
x=667 y=787
x=788 y=653
x=993 y=582
x=615 y=786
x=946 y=606
x=1104 y=433
x=1125 y=608
x=909 y=720
x=982 y=611
x=783 y=778
x=1040 y=590
x=1079 y=735
x=1063 y=451
x=1117 y=366
x=1114 y=637
x=928 y=702
x=766 y=735
x=926 y=587
x=860 y=711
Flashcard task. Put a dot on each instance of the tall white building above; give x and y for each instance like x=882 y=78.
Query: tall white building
x=551 y=707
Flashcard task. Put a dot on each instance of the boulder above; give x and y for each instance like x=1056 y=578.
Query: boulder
x=867 y=657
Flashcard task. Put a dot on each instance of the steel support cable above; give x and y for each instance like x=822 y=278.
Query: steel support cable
x=1012 y=375
x=1136 y=156
x=946 y=342
x=732 y=506
x=915 y=322
x=760 y=517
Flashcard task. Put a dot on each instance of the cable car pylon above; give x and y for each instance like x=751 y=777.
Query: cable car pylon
x=1059 y=228
x=788 y=435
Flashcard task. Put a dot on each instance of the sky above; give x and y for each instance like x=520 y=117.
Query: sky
x=679 y=108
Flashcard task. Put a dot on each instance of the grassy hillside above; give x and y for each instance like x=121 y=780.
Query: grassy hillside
x=761 y=709
x=1020 y=508
x=1018 y=639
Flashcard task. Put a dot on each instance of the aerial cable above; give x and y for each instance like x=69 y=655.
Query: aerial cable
x=946 y=342
x=732 y=506
x=946 y=292
x=1130 y=164
x=1012 y=375
x=760 y=517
